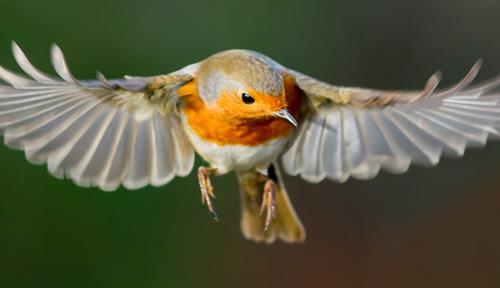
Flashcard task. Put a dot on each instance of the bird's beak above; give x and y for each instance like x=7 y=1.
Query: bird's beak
x=284 y=114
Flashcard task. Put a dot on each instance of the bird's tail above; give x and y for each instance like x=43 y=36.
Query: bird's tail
x=286 y=226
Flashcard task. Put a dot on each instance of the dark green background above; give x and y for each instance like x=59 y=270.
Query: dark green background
x=428 y=228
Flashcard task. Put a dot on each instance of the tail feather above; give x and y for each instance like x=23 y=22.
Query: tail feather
x=286 y=226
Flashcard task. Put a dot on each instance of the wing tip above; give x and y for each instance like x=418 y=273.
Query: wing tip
x=60 y=65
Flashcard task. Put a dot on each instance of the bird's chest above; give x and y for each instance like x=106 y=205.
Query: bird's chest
x=229 y=146
x=228 y=157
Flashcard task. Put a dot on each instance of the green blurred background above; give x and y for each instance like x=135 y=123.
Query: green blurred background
x=435 y=227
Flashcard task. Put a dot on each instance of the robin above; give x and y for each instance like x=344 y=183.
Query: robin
x=240 y=111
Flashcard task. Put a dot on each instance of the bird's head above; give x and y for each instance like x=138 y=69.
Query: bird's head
x=243 y=85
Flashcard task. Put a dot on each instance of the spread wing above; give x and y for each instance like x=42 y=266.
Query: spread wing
x=356 y=132
x=99 y=133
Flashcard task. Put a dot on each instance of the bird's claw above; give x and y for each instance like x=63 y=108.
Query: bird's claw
x=269 y=203
x=207 y=191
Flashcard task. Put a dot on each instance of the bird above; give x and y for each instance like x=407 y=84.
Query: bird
x=241 y=112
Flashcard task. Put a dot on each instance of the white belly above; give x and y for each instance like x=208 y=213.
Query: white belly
x=227 y=158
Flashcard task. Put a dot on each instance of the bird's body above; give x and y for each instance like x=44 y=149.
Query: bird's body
x=240 y=111
x=230 y=157
x=230 y=141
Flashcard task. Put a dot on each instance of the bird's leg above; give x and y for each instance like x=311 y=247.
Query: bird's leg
x=269 y=202
x=207 y=191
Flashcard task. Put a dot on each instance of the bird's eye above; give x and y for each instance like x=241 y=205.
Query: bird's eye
x=247 y=99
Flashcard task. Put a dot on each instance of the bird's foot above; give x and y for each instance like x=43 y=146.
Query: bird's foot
x=207 y=191
x=269 y=203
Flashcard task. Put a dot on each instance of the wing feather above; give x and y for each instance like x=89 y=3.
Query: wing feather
x=164 y=169
x=83 y=152
x=101 y=132
x=138 y=168
x=400 y=161
x=368 y=167
x=120 y=162
x=27 y=67
x=63 y=145
x=355 y=154
x=182 y=154
x=334 y=162
x=59 y=64
x=111 y=174
x=311 y=169
x=95 y=161
x=405 y=140
x=369 y=129
x=293 y=154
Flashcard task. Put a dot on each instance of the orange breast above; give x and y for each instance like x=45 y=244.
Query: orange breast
x=250 y=132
